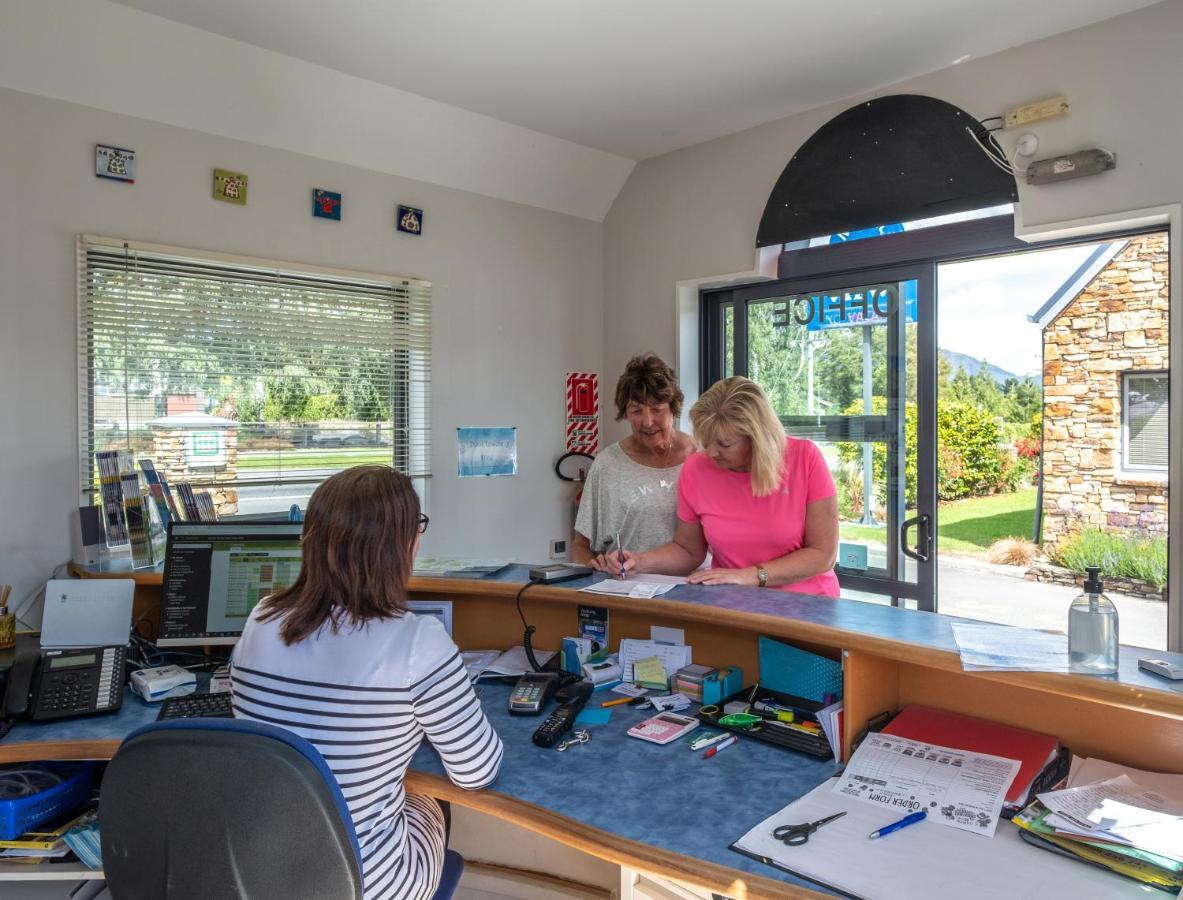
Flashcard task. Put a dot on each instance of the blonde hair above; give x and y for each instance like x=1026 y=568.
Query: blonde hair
x=741 y=407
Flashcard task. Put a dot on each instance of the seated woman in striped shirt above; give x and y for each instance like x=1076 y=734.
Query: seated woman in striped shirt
x=337 y=659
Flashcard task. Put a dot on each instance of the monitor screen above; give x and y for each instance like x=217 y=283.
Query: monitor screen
x=215 y=573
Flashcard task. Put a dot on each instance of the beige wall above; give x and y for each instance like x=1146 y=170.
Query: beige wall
x=517 y=304
x=1117 y=324
x=693 y=213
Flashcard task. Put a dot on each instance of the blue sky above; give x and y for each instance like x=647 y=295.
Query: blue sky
x=982 y=305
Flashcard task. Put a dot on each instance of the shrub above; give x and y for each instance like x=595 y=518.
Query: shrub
x=1012 y=551
x=848 y=480
x=1027 y=448
x=1143 y=557
x=970 y=462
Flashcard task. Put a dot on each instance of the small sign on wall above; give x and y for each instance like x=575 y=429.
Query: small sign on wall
x=326 y=204
x=115 y=163
x=230 y=187
x=409 y=219
x=583 y=412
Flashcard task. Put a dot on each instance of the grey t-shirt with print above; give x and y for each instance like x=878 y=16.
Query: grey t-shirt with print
x=621 y=495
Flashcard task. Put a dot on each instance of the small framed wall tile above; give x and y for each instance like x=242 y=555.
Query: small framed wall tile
x=116 y=163
x=326 y=204
x=230 y=187
x=409 y=220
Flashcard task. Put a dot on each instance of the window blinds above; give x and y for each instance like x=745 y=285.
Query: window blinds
x=317 y=370
x=1146 y=411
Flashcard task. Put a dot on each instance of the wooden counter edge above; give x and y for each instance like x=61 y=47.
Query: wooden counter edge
x=1161 y=701
x=1158 y=701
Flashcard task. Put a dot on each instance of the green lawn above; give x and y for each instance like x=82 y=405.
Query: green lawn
x=970 y=526
x=311 y=459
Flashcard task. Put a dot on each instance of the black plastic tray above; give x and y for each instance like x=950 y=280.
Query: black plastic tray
x=814 y=745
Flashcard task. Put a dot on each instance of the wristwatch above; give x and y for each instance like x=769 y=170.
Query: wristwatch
x=762 y=576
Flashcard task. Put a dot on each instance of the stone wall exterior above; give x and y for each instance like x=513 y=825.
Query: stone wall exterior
x=1117 y=324
x=168 y=451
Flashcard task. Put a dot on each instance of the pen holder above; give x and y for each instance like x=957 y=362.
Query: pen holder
x=721 y=683
x=7 y=630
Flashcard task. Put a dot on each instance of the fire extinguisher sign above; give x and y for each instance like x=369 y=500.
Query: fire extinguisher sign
x=583 y=412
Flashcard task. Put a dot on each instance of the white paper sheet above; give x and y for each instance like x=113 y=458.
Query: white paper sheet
x=924 y=860
x=643 y=587
x=665 y=635
x=672 y=657
x=956 y=788
x=1119 y=810
x=988 y=648
x=512 y=662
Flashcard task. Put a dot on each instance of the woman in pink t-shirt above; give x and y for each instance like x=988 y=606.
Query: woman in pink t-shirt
x=762 y=501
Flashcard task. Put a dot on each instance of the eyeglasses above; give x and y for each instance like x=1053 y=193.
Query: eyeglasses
x=423 y=520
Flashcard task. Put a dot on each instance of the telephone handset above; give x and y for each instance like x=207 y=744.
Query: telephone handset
x=59 y=684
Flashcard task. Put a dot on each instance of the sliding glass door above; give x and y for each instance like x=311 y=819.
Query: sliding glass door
x=849 y=363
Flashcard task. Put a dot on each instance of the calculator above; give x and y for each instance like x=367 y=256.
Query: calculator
x=664 y=727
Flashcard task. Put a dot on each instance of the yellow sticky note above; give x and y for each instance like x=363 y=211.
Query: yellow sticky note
x=650 y=671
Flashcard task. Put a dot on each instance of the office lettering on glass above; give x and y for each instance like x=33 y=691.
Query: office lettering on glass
x=866 y=305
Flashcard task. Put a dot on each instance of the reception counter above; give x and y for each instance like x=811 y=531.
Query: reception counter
x=890 y=657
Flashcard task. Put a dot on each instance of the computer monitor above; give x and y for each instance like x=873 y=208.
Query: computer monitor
x=215 y=573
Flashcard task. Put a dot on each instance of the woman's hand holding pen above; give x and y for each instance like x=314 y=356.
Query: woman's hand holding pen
x=622 y=563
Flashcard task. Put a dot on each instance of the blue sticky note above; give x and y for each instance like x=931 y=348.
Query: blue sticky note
x=593 y=715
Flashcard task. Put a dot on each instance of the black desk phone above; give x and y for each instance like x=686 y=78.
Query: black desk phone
x=59 y=684
x=560 y=721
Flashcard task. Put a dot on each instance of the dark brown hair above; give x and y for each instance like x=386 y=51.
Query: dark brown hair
x=647 y=379
x=359 y=532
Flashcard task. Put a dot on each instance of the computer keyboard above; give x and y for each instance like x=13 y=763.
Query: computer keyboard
x=196 y=706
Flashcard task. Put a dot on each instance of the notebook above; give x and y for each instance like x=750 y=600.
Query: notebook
x=1033 y=750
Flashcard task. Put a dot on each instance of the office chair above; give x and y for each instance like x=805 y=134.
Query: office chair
x=206 y=809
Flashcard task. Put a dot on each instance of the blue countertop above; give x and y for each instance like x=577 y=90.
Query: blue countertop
x=668 y=797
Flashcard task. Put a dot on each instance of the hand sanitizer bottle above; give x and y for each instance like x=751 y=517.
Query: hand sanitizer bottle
x=1092 y=629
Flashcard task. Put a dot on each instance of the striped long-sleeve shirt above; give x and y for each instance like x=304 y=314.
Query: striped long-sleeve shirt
x=366 y=697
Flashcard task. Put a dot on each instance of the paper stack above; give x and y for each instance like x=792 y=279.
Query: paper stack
x=1123 y=819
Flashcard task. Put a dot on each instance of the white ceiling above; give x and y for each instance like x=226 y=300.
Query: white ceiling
x=636 y=78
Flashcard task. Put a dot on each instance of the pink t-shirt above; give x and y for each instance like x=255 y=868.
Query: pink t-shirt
x=744 y=530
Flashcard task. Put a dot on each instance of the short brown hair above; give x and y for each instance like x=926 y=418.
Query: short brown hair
x=359 y=532
x=647 y=379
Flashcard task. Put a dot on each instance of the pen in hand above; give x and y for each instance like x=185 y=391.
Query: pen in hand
x=902 y=823
x=620 y=553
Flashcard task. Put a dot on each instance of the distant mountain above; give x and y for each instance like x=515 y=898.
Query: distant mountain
x=973 y=365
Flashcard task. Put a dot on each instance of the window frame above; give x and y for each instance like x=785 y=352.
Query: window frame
x=1134 y=472
x=410 y=397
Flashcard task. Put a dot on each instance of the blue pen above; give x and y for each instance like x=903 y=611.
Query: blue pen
x=902 y=823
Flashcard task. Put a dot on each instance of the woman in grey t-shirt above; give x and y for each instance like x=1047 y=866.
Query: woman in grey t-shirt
x=631 y=492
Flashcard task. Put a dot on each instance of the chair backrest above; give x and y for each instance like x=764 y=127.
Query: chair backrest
x=225 y=808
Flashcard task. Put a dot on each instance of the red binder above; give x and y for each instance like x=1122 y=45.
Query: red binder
x=945 y=729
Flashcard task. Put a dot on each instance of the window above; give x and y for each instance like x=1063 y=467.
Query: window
x=250 y=379
x=1144 y=421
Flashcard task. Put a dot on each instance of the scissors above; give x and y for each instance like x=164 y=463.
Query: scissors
x=796 y=835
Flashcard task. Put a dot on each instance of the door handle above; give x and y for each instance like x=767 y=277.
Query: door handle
x=923 y=551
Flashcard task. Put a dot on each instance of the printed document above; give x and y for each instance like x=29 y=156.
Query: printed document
x=642 y=586
x=956 y=788
x=1119 y=810
x=673 y=657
